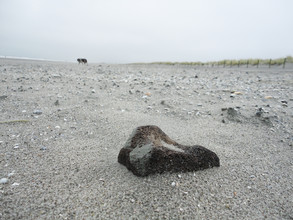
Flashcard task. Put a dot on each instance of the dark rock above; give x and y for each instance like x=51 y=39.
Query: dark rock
x=149 y=150
x=259 y=112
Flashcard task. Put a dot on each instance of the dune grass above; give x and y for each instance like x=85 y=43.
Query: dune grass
x=241 y=62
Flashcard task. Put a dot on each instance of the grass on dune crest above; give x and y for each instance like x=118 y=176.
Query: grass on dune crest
x=253 y=62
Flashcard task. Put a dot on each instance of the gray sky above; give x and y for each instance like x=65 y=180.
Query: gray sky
x=117 y=31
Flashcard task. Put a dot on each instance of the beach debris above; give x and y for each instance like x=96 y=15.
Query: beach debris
x=3 y=180
x=16 y=146
x=15 y=184
x=259 y=112
x=11 y=174
x=149 y=150
x=37 y=112
x=43 y=148
x=2 y=97
x=284 y=103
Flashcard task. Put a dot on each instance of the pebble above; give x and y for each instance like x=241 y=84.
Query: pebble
x=37 y=112
x=11 y=174
x=173 y=184
x=4 y=180
x=284 y=104
x=16 y=146
x=15 y=184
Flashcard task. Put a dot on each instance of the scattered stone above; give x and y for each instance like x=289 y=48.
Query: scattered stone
x=10 y=174
x=284 y=103
x=268 y=97
x=3 y=97
x=43 y=148
x=15 y=184
x=149 y=150
x=3 y=181
x=37 y=112
x=259 y=112
x=57 y=102
x=16 y=146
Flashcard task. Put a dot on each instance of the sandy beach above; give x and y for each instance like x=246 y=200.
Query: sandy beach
x=62 y=126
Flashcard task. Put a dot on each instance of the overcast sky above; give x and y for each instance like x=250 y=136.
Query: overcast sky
x=117 y=31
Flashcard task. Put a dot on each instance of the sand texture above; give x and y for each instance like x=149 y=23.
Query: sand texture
x=62 y=126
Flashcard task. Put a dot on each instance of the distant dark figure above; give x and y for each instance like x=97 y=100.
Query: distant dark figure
x=82 y=61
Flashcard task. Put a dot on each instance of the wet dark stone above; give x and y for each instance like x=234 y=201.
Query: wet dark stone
x=149 y=150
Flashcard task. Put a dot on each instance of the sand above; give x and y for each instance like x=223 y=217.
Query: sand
x=62 y=126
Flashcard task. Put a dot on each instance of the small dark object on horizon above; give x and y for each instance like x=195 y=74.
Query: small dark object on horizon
x=82 y=61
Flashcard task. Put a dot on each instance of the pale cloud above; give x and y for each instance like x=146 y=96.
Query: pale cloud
x=145 y=31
